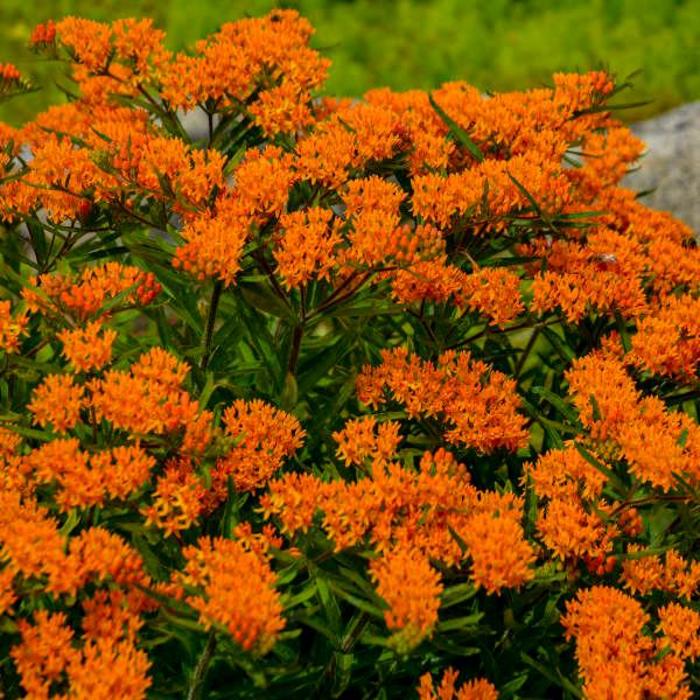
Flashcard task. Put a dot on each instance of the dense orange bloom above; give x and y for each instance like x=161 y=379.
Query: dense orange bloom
x=494 y=292
x=429 y=280
x=106 y=669
x=29 y=537
x=363 y=438
x=674 y=575
x=681 y=629
x=398 y=508
x=411 y=589
x=667 y=342
x=57 y=401
x=11 y=328
x=282 y=109
x=178 y=498
x=213 y=246
x=501 y=556
x=479 y=689
x=656 y=443
x=479 y=412
x=248 y=606
x=306 y=248
x=571 y=531
x=7 y=595
x=43 y=33
x=605 y=273
x=44 y=652
x=229 y=65
x=557 y=471
x=615 y=658
x=88 y=41
x=265 y=436
x=99 y=556
x=103 y=668
x=89 y=347
x=111 y=615
x=86 y=295
x=157 y=405
x=349 y=210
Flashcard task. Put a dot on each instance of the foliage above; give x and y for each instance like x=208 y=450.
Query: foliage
x=338 y=398
x=404 y=44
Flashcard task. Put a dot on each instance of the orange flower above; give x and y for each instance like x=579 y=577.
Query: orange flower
x=282 y=109
x=11 y=328
x=681 y=629
x=57 y=401
x=479 y=689
x=501 y=556
x=248 y=606
x=265 y=436
x=178 y=499
x=361 y=438
x=411 y=589
x=43 y=33
x=667 y=342
x=29 y=538
x=85 y=295
x=495 y=292
x=7 y=594
x=98 y=556
x=615 y=659
x=306 y=249
x=86 y=348
x=44 y=653
x=478 y=412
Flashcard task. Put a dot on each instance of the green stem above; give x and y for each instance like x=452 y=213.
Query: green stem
x=200 y=672
x=526 y=352
x=296 y=347
x=211 y=320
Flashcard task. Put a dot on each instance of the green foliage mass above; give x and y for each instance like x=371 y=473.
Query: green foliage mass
x=496 y=45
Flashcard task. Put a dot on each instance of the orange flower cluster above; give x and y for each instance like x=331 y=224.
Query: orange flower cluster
x=615 y=658
x=656 y=443
x=85 y=295
x=106 y=666
x=264 y=436
x=157 y=402
x=399 y=509
x=644 y=573
x=363 y=438
x=667 y=342
x=570 y=524
x=57 y=401
x=84 y=479
x=11 y=328
x=306 y=249
x=178 y=498
x=479 y=689
x=411 y=589
x=478 y=404
x=247 y=606
x=88 y=348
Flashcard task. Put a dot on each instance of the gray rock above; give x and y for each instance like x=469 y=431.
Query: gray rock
x=671 y=166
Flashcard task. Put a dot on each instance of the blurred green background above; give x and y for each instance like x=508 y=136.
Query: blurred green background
x=494 y=44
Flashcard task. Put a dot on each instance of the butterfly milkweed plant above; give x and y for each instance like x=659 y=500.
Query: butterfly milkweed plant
x=338 y=398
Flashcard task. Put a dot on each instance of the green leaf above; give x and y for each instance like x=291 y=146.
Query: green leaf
x=457 y=131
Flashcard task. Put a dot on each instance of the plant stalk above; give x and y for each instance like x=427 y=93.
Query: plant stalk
x=211 y=320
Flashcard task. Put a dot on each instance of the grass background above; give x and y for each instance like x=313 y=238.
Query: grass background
x=493 y=44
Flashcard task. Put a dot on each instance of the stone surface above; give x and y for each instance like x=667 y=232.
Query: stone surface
x=671 y=166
